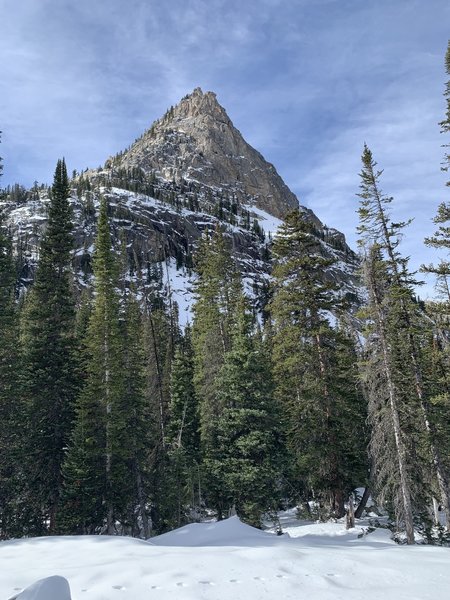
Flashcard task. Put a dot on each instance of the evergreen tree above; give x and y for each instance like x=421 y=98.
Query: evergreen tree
x=160 y=335
x=439 y=351
x=215 y=297
x=49 y=359
x=88 y=468
x=396 y=349
x=136 y=440
x=183 y=438
x=211 y=337
x=11 y=409
x=243 y=463
x=445 y=124
x=441 y=238
x=104 y=467
x=314 y=384
x=184 y=426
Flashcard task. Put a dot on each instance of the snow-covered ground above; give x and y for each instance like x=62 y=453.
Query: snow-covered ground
x=230 y=560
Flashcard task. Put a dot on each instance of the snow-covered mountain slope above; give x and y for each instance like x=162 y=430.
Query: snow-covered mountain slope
x=190 y=172
x=219 y=561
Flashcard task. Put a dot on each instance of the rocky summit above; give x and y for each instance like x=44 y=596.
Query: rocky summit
x=191 y=171
x=196 y=141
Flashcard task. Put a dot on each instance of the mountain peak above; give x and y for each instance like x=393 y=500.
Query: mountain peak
x=200 y=103
x=197 y=141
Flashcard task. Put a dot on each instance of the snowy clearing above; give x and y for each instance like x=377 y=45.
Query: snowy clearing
x=219 y=561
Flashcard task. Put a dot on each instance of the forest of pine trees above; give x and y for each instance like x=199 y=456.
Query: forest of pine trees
x=115 y=420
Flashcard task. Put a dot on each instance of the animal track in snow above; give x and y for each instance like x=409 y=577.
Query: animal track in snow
x=118 y=587
x=207 y=582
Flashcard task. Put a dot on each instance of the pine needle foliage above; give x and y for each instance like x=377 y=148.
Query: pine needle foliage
x=49 y=358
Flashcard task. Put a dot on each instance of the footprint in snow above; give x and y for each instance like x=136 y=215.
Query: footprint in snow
x=280 y=576
x=118 y=587
x=207 y=582
x=259 y=578
x=181 y=584
x=234 y=581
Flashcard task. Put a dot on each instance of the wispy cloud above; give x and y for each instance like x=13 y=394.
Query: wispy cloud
x=306 y=81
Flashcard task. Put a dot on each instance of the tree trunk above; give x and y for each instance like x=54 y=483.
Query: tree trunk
x=350 y=517
x=108 y=441
x=141 y=502
x=363 y=502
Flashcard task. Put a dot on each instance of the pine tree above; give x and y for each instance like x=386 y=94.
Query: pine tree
x=243 y=463
x=103 y=468
x=438 y=405
x=396 y=347
x=11 y=409
x=136 y=434
x=313 y=385
x=441 y=241
x=211 y=335
x=49 y=358
x=215 y=297
x=183 y=430
x=445 y=124
x=183 y=438
x=158 y=336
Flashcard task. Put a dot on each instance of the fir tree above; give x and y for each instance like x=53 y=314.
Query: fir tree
x=136 y=433
x=183 y=438
x=184 y=418
x=405 y=434
x=158 y=337
x=439 y=352
x=215 y=297
x=242 y=464
x=211 y=337
x=49 y=358
x=103 y=470
x=11 y=409
x=316 y=390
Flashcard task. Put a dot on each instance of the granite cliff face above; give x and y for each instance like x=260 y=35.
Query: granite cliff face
x=196 y=141
x=190 y=172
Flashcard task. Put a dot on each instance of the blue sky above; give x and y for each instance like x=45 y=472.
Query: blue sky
x=307 y=82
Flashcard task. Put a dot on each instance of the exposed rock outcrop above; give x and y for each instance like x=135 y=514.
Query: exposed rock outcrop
x=197 y=141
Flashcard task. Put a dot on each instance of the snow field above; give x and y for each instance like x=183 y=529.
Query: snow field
x=220 y=561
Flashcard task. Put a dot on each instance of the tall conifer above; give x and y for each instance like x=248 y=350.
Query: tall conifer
x=395 y=345
x=211 y=338
x=49 y=358
x=100 y=486
x=11 y=409
x=243 y=463
x=316 y=390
